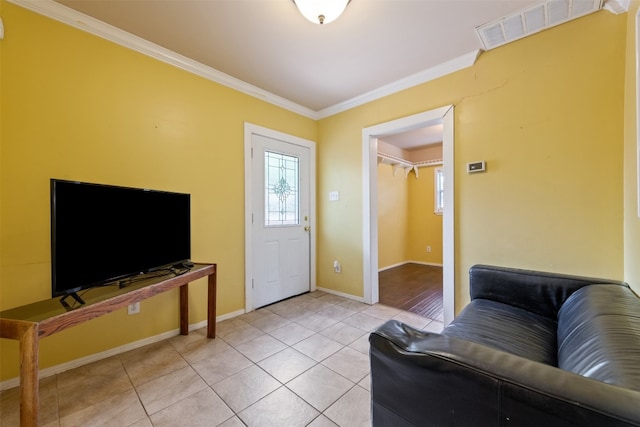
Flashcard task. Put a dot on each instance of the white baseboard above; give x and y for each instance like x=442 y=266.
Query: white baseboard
x=225 y=317
x=53 y=370
x=341 y=294
x=388 y=267
x=432 y=264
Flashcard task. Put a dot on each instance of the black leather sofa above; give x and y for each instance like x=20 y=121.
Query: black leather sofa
x=530 y=349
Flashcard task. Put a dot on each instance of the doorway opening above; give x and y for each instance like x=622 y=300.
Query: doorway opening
x=370 y=136
x=410 y=190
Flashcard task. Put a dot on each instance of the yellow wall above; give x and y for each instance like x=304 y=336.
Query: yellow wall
x=393 y=216
x=425 y=227
x=406 y=219
x=631 y=220
x=546 y=113
x=75 y=106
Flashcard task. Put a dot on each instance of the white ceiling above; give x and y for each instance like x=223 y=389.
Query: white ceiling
x=268 y=44
x=416 y=138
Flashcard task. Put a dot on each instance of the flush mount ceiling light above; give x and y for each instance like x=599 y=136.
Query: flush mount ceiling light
x=321 y=11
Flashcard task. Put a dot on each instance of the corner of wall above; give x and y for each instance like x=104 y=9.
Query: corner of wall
x=632 y=152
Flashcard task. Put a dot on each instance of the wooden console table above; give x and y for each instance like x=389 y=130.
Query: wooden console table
x=32 y=322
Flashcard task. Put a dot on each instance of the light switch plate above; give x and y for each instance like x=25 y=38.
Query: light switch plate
x=334 y=196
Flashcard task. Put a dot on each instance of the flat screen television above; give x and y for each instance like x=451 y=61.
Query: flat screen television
x=104 y=233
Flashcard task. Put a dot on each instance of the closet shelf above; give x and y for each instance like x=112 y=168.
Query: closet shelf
x=407 y=166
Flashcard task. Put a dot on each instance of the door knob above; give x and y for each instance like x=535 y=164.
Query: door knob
x=307 y=228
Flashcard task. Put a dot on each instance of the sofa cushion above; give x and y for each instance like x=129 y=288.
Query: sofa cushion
x=507 y=328
x=598 y=335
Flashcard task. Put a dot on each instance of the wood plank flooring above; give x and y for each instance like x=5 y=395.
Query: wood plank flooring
x=413 y=287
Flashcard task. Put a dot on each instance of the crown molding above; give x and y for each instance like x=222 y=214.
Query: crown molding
x=421 y=77
x=66 y=15
x=73 y=18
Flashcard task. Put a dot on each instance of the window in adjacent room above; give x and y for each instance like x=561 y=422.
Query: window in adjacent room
x=438 y=187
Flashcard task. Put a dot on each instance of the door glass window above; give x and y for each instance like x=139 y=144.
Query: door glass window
x=281 y=189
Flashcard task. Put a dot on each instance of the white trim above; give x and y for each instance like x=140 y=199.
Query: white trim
x=370 y=201
x=73 y=18
x=448 y=224
x=54 y=370
x=342 y=294
x=431 y=264
x=249 y=131
x=66 y=15
x=389 y=267
x=223 y=318
x=440 y=70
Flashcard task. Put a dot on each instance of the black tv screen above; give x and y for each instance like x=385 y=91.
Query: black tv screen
x=104 y=233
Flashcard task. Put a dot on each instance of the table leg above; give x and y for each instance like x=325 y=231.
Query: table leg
x=211 y=305
x=184 y=309
x=29 y=385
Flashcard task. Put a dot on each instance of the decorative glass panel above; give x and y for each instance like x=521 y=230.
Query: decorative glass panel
x=281 y=189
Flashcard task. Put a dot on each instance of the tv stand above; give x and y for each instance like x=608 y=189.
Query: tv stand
x=73 y=295
x=30 y=323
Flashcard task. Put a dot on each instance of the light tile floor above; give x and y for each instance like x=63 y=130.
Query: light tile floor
x=300 y=362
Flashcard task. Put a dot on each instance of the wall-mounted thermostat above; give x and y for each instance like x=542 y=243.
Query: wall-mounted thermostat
x=474 y=167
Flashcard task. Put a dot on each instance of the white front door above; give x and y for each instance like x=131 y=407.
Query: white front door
x=281 y=219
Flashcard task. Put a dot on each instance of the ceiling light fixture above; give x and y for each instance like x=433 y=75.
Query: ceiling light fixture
x=321 y=11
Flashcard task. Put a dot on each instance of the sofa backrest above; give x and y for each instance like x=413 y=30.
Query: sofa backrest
x=539 y=292
x=599 y=335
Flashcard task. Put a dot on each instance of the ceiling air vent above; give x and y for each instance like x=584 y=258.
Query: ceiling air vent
x=534 y=19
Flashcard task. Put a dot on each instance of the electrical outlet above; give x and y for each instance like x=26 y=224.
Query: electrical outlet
x=134 y=308
x=337 y=268
x=428 y=249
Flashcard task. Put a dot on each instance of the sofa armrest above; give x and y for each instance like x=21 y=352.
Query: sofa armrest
x=539 y=292
x=420 y=378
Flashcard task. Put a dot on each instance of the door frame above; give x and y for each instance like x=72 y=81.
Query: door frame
x=370 y=137
x=250 y=130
